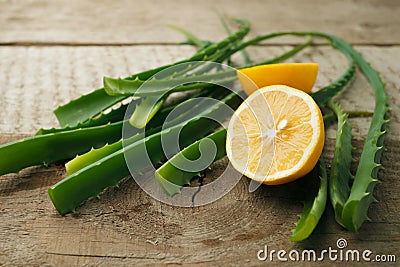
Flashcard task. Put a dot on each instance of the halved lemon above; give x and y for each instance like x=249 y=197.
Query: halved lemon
x=298 y=75
x=276 y=135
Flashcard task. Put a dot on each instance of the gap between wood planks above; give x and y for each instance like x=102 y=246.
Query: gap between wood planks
x=172 y=44
x=104 y=256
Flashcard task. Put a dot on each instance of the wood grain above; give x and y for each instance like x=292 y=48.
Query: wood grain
x=54 y=75
x=126 y=226
x=53 y=51
x=144 y=22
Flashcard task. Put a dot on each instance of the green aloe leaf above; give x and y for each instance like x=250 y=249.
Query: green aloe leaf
x=145 y=111
x=189 y=109
x=44 y=149
x=85 y=107
x=314 y=205
x=114 y=115
x=325 y=94
x=340 y=178
x=90 y=179
x=88 y=106
x=361 y=195
x=171 y=178
x=191 y=38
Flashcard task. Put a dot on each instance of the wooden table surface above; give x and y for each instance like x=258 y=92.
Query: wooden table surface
x=54 y=51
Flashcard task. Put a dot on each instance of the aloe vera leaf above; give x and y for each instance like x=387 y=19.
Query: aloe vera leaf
x=326 y=93
x=199 y=104
x=340 y=177
x=154 y=91
x=204 y=54
x=67 y=194
x=109 y=170
x=323 y=95
x=295 y=50
x=187 y=111
x=261 y=38
x=314 y=205
x=94 y=155
x=279 y=58
x=175 y=176
x=150 y=105
x=85 y=107
x=245 y=56
x=117 y=114
x=145 y=111
x=84 y=160
x=191 y=39
x=351 y=114
x=90 y=181
x=117 y=86
x=44 y=149
x=215 y=92
x=60 y=144
x=171 y=178
x=114 y=115
x=361 y=195
x=92 y=104
x=216 y=52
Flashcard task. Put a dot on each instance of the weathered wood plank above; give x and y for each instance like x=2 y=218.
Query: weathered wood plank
x=38 y=79
x=135 y=22
x=126 y=226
